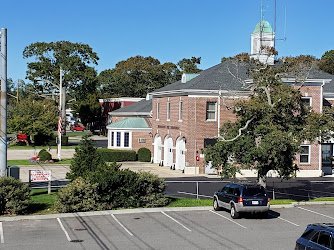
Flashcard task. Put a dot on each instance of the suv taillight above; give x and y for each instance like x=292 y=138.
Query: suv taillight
x=240 y=200
x=268 y=199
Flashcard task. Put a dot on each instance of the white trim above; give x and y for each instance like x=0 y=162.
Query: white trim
x=309 y=155
x=122 y=132
x=121 y=99
x=158 y=111
x=180 y=111
x=206 y=111
x=309 y=98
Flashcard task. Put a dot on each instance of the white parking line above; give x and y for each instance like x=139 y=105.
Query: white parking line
x=227 y=218
x=1 y=234
x=170 y=217
x=284 y=220
x=316 y=213
x=194 y=194
x=63 y=228
x=127 y=230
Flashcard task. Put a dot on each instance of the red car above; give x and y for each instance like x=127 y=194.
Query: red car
x=77 y=128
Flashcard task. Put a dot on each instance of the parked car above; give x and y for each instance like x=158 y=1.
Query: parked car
x=242 y=199
x=77 y=128
x=317 y=236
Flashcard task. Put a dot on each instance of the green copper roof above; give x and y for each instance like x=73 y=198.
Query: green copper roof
x=135 y=122
x=265 y=26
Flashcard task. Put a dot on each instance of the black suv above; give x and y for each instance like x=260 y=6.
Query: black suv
x=317 y=236
x=242 y=198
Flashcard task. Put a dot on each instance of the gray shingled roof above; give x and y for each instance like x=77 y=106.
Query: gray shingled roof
x=143 y=107
x=214 y=78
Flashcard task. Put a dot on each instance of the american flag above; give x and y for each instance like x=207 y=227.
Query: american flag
x=59 y=126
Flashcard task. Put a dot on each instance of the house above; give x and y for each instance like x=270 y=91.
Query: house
x=186 y=116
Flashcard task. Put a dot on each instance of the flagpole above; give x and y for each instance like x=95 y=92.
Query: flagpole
x=60 y=118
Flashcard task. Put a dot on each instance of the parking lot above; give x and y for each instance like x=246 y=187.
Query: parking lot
x=166 y=228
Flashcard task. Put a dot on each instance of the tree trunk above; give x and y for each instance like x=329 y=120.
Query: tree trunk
x=262 y=180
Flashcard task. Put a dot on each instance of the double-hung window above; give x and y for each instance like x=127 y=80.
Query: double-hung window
x=158 y=110
x=180 y=110
x=211 y=111
x=168 y=111
x=304 y=155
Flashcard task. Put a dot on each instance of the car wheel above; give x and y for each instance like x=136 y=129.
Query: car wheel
x=216 y=206
x=74 y=130
x=234 y=213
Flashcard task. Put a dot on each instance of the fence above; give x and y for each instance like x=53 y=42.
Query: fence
x=296 y=189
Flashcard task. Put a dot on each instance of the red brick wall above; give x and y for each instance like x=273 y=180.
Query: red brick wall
x=194 y=126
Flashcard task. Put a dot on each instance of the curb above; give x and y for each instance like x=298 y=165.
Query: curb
x=143 y=210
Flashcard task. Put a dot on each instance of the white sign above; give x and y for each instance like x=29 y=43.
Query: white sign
x=40 y=175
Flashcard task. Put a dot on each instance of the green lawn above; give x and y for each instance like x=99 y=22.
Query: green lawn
x=42 y=202
x=27 y=162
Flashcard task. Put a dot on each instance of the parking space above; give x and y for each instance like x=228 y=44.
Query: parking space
x=184 y=229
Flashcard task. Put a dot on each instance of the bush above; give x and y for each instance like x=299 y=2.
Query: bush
x=144 y=155
x=79 y=195
x=125 y=188
x=85 y=160
x=14 y=196
x=44 y=155
x=111 y=155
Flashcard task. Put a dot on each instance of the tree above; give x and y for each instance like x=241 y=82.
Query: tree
x=33 y=117
x=89 y=110
x=271 y=125
x=327 y=62
x=86 y=160
x=137 y=76
x=189 y=65
x=74 y=60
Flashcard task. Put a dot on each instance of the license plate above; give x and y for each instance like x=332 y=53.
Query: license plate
x=255 y=202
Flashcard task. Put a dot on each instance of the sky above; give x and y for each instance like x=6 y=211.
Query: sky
x=168 y=30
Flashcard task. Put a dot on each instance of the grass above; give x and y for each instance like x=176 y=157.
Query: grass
x=42 y=202
x=78 y=134
x=27 y=162
x=188 y=202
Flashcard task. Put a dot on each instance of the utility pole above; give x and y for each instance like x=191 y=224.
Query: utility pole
x=60 y=113
x=3 y=111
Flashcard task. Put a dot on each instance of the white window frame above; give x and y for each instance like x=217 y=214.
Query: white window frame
x=309 y=154
x=158 y=110
x=180 y=110
x=207 y=111
x=168 y=111
x=308 y=98
x=113 y=143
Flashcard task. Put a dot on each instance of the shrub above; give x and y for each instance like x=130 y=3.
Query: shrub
x=111 y=155
x=144 y=155
x=14 y=196
x=44 y=155
x=79 y=195
x=125 y=188
x=150 y=189
x=85 y=160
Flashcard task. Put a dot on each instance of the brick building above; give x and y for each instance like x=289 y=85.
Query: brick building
x=185 y=116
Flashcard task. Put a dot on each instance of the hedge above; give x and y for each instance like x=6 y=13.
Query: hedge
x=43 y=140
x=111 y=155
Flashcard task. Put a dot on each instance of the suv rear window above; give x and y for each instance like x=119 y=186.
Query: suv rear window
x=307 y=234
x=253 y=191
